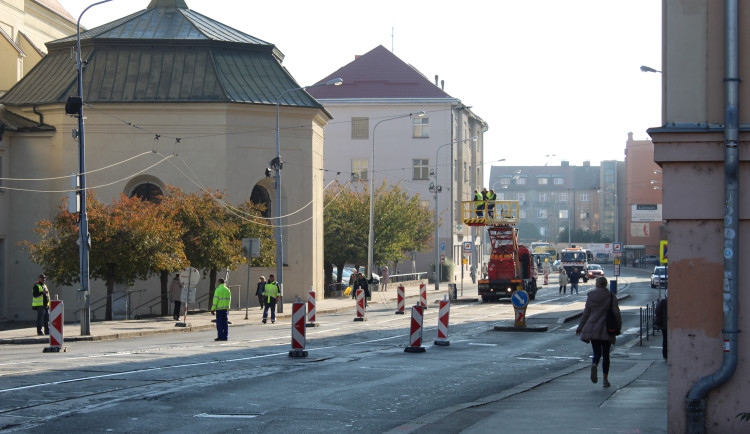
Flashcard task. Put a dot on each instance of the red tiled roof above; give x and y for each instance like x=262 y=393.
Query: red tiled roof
x=57 y=8
x=378 y=74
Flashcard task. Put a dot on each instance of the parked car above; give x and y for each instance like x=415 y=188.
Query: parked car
x=601 y=257
x=556 y=265
x=646 y=260
x=659 y=277
x=594 y=270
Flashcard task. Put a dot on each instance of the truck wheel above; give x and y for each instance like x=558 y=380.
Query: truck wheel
x=485 y=299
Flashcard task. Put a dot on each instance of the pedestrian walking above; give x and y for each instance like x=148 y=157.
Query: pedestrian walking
x=259 y=291
x=175 y=288
x=222 y=301
x=593 y=326
x=660 y=320
x=563 y=278
x=484 y=270
x=352 y=281
x=40 y=303
x=575 y=277
x=385 y=278
x=271 y=294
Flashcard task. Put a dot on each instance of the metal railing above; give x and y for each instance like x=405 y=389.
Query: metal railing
x=396 y=278
x=647 y=327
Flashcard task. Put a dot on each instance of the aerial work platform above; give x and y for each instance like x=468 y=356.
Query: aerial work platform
x=489 y=212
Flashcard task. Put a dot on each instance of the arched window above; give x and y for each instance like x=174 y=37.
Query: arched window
x=260 y=196
x=148 y=192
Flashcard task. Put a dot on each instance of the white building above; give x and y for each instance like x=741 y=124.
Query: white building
x=372 y=109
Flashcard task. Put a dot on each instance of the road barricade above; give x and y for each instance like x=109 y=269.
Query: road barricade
x=400 y=297
x=56 y=328
x=415 y=335
x=444 y=312
x=311 y=303
x=298 y=329
x=361 y=308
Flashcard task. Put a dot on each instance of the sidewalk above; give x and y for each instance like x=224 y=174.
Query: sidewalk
x=122 y=329
x=568 y=402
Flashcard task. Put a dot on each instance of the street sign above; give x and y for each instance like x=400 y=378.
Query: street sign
x=467 y=246
x=663 y=257
x=617 y=247
x=617 y=269
x=459 y=227
x=442 y=259
x=617 y=261
x=520 y=299
x=251 y=247
x=189 y=275
x=442 y=246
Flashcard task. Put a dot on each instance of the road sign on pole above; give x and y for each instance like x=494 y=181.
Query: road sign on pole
x=467 y=246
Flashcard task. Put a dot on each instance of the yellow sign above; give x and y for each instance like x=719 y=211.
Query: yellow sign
x=617 y=261
x=464 y=261
x=663 y=257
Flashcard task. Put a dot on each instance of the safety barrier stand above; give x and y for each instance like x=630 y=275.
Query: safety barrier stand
x=360 y=305
x=311 y=309
x=400 y=297
x=546 y=277
x=415 y=336
x=298 y=329
x=445 y=308
x=423 y=295
x=56 y=328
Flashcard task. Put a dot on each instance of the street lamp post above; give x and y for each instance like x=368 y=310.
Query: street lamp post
x=73 y=107
x=277 y=164
x=371 y=233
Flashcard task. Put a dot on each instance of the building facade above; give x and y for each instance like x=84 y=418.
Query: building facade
x=180 y=108
x=372 y=109
x=702 y=148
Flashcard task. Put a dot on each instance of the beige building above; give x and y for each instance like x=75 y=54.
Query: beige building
x=25 y=26
x=193 y=111
x=705 y=121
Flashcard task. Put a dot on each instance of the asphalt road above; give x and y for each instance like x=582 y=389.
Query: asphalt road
x=357 y=377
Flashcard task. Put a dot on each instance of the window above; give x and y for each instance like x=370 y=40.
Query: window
x=542 y=181
x=563 y=197
x=584 y=197
x=504 y=181
x=421 y=127
x=466 y=173
x=520 y=181
x=521 y=197
x=543 y=231
x=148 y=192
x=557 y=180
x=522 y=213
x=500 y=196
x=360 y=127
x=564 y=213
x=425 y=203
x=542 y=197
x=421 y=169
x=541 y=213
x=359 y=169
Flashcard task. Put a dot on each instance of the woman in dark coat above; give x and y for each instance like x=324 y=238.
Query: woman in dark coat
x=593 y=326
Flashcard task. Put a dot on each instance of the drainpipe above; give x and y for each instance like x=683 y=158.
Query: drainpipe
x=695 y=403
x=40 y=114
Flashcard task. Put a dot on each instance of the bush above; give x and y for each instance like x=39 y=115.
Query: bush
x=446 y=270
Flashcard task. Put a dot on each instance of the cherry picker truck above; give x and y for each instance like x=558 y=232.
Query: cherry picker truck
x=511 y=266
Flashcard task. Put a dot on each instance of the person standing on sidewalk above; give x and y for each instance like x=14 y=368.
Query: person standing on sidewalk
x=593 y=326
x=385 y=278
x=222 y=301
x=175 y=288
x=40 y=303
x=660 y=320
x=271 y=293
x=259 y=291
x=563 y=281
x=575 y=277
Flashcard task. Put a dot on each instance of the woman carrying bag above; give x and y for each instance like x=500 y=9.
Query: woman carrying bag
x=593 y=327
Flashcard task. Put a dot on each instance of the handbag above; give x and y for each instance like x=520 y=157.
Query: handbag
x=611 y=320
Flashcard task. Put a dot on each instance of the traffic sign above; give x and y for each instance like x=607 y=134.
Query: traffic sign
x=520 y=299
x=442 y=246
x=442 y=259
x=459 y=228
x=189 y=275
x=663 y=257
x=467 y=246
x=617 y=269
x=617 y=247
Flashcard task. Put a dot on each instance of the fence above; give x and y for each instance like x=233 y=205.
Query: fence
x=647 y=327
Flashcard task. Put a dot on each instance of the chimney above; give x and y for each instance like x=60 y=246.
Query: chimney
x=436 y=79
x=357 y=56
x=564 y=163
x=442 y=84
x=587 y=164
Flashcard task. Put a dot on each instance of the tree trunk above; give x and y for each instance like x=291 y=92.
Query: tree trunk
x=110 y=290
x=328 y=269
x=211 y=287
x=164 y=277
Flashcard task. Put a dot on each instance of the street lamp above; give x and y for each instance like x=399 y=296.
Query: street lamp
x=371 y=233
x=277 y=164
x=436 y=188
x=645 y=68
x=75 y=106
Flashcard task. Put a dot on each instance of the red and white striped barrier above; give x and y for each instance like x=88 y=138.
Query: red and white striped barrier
x=445 y=308
x=415 y=336
x=311 y=309
x=400 y=297
x=298 y=330
x=55 y=328
x=546 y=278
x=423 y=295
x=360 y=305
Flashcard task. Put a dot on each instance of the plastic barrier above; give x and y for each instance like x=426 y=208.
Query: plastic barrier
x=445 y=308
x=546 y=278
x=423 y=295
x=415 y=336
x=298 y=330
x=311 y=308
x=361 y=309
x=400 y=296
x=55 y=328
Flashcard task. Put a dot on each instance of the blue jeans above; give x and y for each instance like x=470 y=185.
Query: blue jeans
x=270 y=305
x=222 y=323
x=42 y=319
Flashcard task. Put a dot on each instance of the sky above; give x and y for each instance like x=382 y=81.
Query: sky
x=555 y=80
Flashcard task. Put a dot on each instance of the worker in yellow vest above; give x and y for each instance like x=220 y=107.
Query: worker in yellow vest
x=491 y=196
x=271 y=293
x=40 y=303
x=222 y=301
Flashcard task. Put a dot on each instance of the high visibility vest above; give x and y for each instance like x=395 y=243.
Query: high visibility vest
x=491 y=196
x=271 y=290
x=222 y=298
x=39 y=301
x=478 y=196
